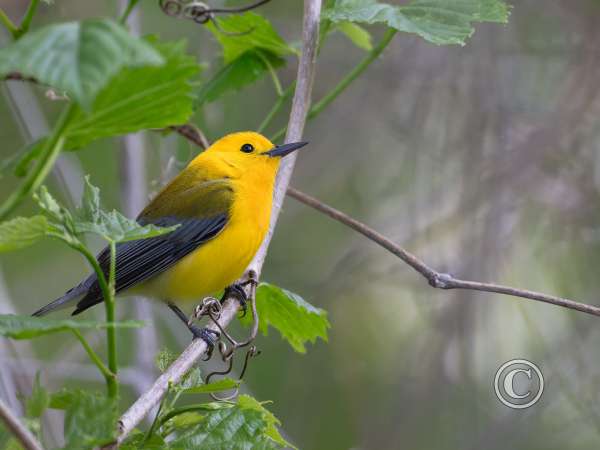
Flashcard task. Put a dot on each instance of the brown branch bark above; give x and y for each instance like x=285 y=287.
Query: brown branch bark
x=300 y=106
x=436 y=279
x=23 y=435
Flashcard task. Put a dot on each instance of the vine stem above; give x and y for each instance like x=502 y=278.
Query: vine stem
x=281 y=99
x=94 y=356
x=20 y=431
x=36 y=176
x=127 y=11
x=347 y=80
x=108 y=292
x=300 y=107
x=273 y=73
x=8 y=24
x=27 y=18
x=109 y=303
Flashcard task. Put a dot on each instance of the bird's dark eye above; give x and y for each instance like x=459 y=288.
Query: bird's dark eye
x=247 y=148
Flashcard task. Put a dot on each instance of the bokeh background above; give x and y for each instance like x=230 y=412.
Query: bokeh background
x=483 y=160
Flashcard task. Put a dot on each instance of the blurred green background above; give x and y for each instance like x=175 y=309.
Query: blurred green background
x=483 y=160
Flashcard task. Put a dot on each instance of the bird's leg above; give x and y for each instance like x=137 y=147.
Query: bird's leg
x=207 y=335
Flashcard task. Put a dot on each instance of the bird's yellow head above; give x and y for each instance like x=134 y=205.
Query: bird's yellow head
x=247 y=151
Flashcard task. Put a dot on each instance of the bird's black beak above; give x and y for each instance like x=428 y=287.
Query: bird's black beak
x=285 y=149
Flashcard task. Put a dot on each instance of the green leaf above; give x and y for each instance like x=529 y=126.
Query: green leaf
x=140 y=98
x=438 y=21
x=164 y=359
x=224 y=384
x=250 y=31
x=357 y=34
x=27 y=327
x=77 y=57
x=183 y=420
x=229 y=426
x=22 y=232
x=7 y=440
x=296 y=320
x=137 y=441
x=247 y=402
x=49 y=205
x=62 y=225
x=90 y=418
x=191 y=379
x=242 y=71
x=112 y=225
x=38 y=402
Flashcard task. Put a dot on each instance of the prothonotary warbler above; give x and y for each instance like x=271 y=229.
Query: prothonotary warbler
x=222 y=204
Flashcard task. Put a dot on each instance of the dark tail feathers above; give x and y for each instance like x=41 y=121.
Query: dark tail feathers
x=70 y=297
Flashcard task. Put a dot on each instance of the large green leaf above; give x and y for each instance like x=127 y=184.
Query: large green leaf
x=296 y=320
x=90 y=418
x=242 y=32
x=27 y=327
x=22 y=232
x=246 y=425
x=438 y=21
x=140 y=98
x=242 y=71
x=111 y=225
x=77 y=57
x=251 y=47
x=247 y=402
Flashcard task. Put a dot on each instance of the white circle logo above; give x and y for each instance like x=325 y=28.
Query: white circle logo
x=519 y=383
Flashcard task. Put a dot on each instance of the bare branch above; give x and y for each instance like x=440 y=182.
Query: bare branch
x=22 y=434
x=300 y=107
x=436 y=279
x=192 y=134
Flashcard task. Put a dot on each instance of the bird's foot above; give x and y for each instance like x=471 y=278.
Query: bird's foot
x=207 y=335
x=237 y=290
x=210 y=306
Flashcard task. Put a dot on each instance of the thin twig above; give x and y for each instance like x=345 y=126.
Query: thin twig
x=436 y=279
x=23 y=435
x=192 y=134
x=300 y=107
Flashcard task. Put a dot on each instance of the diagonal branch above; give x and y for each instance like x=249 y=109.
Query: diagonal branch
x=300 y=107
x=22 y=434
x=436 y=279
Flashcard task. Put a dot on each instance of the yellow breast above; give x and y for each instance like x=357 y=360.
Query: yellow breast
x=222 y=260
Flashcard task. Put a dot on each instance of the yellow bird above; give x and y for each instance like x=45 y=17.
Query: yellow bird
x=222 y=204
